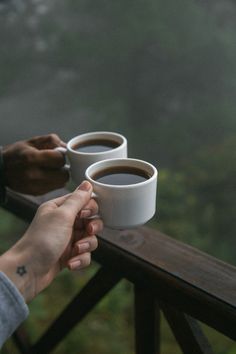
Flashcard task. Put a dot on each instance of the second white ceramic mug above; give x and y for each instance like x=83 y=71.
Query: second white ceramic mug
x=79 y=161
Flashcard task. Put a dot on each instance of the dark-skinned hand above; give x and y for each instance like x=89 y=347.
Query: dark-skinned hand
x=34 y=166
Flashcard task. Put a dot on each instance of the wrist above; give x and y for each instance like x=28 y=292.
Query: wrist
x=16 y=266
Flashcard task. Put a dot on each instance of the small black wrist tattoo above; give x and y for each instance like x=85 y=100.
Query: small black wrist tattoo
x=21 y=270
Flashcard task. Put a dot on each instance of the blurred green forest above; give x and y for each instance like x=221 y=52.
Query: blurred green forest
x=161 y=72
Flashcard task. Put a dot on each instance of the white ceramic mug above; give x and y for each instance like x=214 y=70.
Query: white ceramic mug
x=124 y=206
x=79 y=161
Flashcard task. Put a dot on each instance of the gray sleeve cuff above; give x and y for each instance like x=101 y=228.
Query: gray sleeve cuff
x=13 y=309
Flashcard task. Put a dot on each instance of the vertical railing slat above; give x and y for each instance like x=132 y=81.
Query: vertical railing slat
x=147 y=322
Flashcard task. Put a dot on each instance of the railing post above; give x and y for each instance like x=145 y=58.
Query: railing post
x=147 y=322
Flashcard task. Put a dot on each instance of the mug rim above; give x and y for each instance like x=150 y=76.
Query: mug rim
x=121 y=186
x=94 y=134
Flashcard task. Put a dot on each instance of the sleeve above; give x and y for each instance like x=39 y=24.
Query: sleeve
x=13 y=309
x=2 y=180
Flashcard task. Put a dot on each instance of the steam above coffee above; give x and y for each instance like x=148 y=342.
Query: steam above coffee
x=121 y=175
x=95 y=145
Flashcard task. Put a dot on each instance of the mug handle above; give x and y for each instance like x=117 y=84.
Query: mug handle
x=67 y=166
x=63 y=151
x=94 y=196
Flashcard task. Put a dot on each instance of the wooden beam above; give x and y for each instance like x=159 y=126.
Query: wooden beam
x=191 y=281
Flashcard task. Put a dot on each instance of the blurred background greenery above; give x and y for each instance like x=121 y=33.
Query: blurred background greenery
x=163 y=73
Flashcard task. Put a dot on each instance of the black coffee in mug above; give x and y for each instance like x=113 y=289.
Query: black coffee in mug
x=95 y=145
x=121 y=175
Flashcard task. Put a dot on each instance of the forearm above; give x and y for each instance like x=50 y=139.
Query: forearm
x=16 y=266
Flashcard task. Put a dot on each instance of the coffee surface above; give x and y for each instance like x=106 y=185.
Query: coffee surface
x=96 y=145
x=121 y=175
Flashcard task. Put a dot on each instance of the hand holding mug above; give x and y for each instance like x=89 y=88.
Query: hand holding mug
x=59 y=236
x=34 y=166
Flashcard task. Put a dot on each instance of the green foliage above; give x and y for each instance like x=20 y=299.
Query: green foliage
x=211 y=177
x=197 y=206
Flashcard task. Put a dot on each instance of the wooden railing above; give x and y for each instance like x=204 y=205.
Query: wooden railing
x=184 y=283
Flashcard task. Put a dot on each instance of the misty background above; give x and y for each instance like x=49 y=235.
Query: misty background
x=163 y=73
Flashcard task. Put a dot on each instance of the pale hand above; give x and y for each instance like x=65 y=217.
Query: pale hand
x=59 y=236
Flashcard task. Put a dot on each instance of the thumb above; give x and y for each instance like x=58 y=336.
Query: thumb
x=78 y=199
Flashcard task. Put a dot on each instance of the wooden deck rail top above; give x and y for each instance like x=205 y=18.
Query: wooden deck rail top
x=176 y=274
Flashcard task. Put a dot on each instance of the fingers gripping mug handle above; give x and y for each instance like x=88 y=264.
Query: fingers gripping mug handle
x=63 y=151
x=95 y=196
